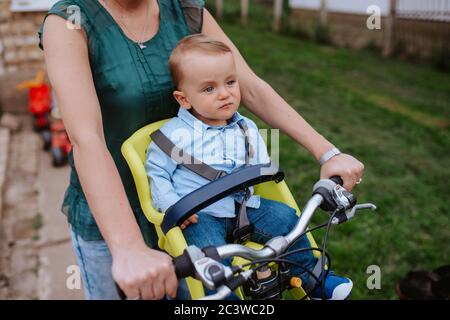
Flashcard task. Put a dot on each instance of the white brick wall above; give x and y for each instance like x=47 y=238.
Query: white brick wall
x=19 y=39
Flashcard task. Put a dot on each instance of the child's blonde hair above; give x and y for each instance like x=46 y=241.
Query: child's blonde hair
x=193 y=43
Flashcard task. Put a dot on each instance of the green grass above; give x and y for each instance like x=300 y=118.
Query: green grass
x=391 y=115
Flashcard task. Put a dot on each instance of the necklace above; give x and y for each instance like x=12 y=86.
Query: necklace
x=140 y=40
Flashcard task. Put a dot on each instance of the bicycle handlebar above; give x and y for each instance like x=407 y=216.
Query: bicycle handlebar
x=205 y=266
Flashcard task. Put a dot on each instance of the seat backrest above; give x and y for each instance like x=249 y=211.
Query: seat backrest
x=134 y=150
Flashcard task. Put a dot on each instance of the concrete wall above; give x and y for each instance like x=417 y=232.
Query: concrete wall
x=414 y=37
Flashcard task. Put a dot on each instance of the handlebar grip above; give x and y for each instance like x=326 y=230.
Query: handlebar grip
x=183 y=266
x=120 y=292
x=236 y=282
x=338 y=180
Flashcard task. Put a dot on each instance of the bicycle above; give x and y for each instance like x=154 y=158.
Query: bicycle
x=259 y=279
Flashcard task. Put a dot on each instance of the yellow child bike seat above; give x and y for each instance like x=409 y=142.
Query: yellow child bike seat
x=134 y=151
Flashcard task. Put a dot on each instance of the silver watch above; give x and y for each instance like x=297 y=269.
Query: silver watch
x=328 y=155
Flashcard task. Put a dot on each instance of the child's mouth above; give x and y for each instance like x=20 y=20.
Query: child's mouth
x=226 y=105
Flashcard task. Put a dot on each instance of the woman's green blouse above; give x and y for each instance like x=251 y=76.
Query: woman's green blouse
x=133 y=86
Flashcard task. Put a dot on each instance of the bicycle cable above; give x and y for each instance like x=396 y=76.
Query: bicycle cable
x=279 y=259
x=305 y=232
x=324 y=273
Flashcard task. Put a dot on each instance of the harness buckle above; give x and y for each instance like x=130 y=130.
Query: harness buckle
x=243 y=234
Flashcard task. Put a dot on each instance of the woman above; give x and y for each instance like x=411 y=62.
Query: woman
x=111 y=79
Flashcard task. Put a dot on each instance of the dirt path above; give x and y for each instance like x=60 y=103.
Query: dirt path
x=35 y=250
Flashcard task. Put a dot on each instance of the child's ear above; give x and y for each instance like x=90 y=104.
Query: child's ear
x=182 y=99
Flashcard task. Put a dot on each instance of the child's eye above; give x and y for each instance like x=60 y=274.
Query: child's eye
x=231 y=82
x=208 y=89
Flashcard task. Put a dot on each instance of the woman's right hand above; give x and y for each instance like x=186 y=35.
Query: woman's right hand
x=144 y=273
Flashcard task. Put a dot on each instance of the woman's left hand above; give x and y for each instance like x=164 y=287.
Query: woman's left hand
x=345 y=166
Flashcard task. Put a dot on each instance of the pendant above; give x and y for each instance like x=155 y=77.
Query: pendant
x=141 y=45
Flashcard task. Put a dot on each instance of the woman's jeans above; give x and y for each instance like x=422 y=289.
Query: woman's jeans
x=95 y=262
x=271 y=219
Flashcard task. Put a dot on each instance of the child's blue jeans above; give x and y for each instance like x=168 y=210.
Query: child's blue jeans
x=271 y=219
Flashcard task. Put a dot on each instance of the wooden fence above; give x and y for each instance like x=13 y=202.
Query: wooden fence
x=422 y=31
x=277 y=12
x=410 y=27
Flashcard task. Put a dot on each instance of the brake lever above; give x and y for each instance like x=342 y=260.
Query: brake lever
x=350 y=213
x=231 y=284
x=343 y=198
x=211 y=272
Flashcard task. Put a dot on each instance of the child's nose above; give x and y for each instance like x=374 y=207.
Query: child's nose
x=224 y=93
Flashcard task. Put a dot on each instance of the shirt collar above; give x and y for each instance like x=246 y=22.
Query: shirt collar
x=200 y=126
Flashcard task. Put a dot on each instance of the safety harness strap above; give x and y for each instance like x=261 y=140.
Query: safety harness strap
x=243 y=227
x=184 y=158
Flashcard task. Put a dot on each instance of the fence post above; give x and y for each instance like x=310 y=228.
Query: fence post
x=389 y=34
x=323 y=13
x=277 y=12
x=219 y=9
x=244 y=12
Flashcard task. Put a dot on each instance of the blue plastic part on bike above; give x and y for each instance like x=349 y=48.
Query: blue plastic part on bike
x=219 y=189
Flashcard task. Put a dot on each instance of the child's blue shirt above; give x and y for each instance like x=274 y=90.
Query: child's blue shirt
x=221 y=147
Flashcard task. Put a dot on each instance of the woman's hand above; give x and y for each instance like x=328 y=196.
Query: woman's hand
x=344 y=166
x=143 y=273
